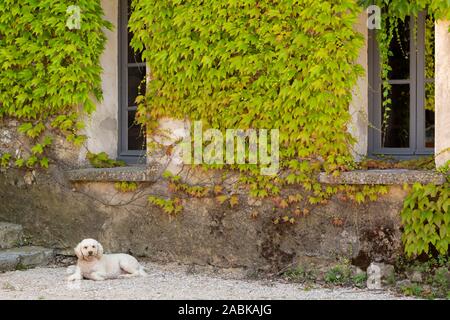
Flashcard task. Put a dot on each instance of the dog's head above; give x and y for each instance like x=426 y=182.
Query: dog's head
x=89 y=249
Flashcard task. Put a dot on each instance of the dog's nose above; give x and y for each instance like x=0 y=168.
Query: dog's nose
x=90 y=253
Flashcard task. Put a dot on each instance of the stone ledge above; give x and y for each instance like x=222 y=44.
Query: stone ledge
x=357 y=177
x=132 y=174
x=24 y=257
x=384 y=177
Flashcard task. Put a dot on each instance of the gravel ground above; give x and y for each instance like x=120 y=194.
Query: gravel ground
x=167 y=282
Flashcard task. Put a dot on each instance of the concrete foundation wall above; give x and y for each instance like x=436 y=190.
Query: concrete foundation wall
x=59 y=214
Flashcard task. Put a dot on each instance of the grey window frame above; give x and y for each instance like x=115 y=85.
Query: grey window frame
x=417 y=96
x=129 y=156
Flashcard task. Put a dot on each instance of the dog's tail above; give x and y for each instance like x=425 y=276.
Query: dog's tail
x=142 y=271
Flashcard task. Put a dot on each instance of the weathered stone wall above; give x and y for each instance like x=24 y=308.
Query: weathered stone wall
x=61 y=151
x=57 y=213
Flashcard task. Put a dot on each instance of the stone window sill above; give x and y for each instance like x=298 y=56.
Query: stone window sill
x=384 y=177
x=131 y=174
x=358 y=177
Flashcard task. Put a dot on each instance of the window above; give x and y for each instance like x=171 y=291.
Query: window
x=132 y=75
x=407 y=129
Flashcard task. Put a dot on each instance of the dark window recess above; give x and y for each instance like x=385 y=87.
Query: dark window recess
x=400 y=47
x=132 y=141
x=406 y=126
x=395 y=133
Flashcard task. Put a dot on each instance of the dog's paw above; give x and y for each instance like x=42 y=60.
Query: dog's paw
x=98 y=279
x=74 y=277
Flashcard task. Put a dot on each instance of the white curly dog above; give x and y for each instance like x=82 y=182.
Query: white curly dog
x=94 y=265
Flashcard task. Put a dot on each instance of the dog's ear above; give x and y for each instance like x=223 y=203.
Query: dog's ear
x=78 y=251
x=99 y=250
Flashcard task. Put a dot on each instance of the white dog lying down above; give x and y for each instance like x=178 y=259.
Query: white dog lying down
x=93 y=264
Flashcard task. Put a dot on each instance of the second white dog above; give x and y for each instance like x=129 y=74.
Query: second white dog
x=94 y=265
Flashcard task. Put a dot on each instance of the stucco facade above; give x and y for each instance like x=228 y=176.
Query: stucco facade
x=103 y=126
x=442 y=93
x=359 y=106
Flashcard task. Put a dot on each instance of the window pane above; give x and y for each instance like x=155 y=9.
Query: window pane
x=400 y=48
x=396 y=129
x=136 y=135
x=133 y=57
x=429 y=115
x=135 y=85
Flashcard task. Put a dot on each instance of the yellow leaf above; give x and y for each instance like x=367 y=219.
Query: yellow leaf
x=234 y=200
